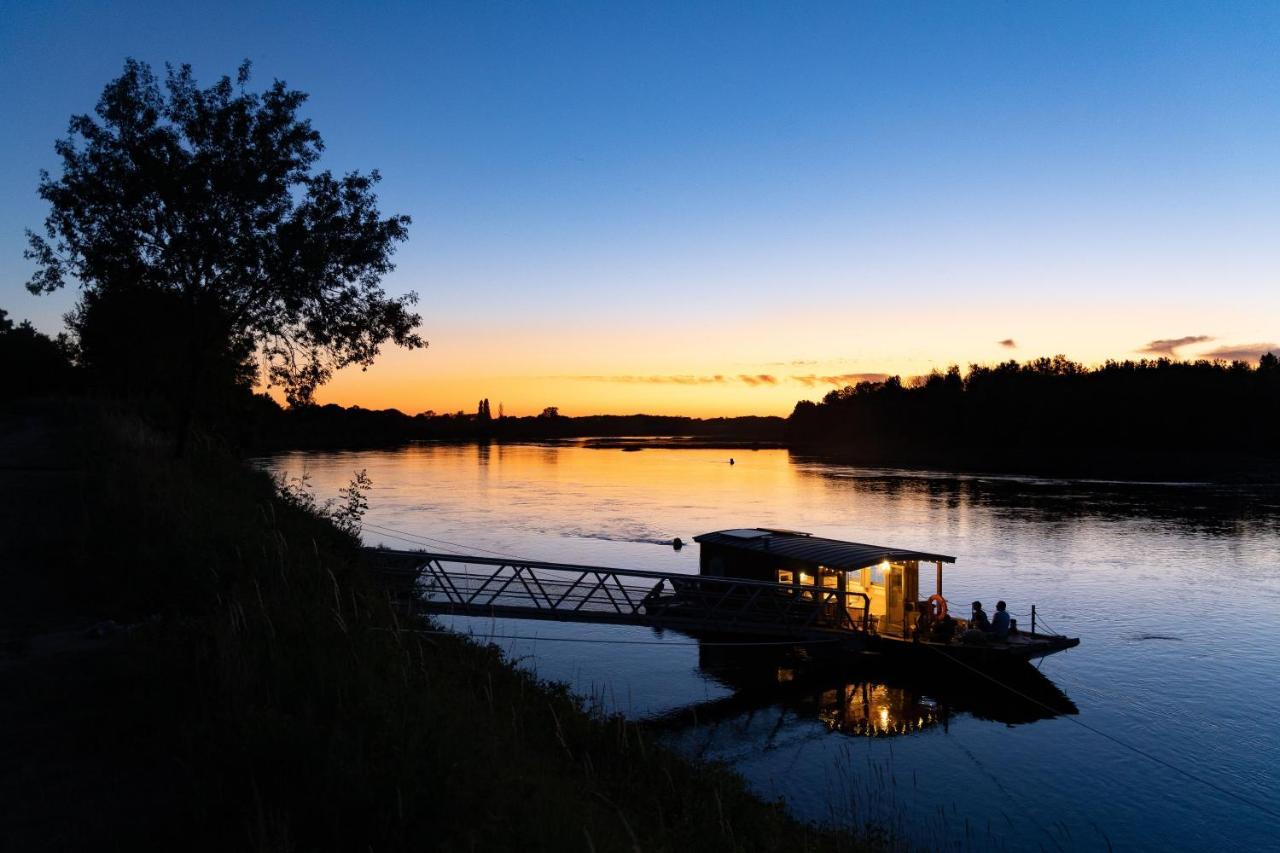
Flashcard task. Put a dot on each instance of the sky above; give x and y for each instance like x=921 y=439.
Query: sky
x=723 y=208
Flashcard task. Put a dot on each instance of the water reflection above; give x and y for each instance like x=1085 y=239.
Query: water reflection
x=1215 y=509
x=863 y=698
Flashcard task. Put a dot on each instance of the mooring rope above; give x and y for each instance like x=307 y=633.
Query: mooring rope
x=419 y=539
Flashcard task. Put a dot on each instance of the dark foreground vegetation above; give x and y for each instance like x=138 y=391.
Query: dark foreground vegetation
x=1152 y=417
x=256 y=689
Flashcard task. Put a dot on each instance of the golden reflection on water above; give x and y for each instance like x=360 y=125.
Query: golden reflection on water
x=870 y=709
x=875 y=710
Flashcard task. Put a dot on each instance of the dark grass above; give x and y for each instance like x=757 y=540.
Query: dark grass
x=272 y=698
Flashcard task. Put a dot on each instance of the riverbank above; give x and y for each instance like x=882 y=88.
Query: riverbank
x=193 y=661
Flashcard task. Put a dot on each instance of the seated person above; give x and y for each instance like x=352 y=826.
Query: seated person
x=1000 y=624
x=943 y=629
x=979 y=621
x=924 y=621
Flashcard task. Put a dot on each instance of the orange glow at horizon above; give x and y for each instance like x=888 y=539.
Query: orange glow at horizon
x=747 y=365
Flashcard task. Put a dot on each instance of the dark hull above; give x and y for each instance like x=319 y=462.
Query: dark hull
x=1020 y=648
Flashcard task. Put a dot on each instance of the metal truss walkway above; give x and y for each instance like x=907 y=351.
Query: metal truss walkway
x=527 y=589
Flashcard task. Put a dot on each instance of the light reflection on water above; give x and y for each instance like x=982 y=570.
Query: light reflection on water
x=1175 y=590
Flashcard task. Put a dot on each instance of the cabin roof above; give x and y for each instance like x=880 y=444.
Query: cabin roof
x=807 y=548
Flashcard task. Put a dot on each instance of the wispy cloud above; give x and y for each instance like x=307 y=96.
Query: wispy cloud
x=1169 y=347
x=683 y=379
x=1008 y=343
x=752 y=379
x=1242 y=352
x=840 y=380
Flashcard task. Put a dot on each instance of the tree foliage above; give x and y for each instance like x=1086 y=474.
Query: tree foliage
x=1054 y=406
x=32 y=363
x=202 y=209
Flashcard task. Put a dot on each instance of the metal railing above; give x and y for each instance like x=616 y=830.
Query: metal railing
x=493 y=586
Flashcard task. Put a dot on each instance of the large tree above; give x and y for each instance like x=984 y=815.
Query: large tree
x=202 y=210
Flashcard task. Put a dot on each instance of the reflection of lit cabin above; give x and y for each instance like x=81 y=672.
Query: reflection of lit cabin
x=848 y=574
x=876 y=710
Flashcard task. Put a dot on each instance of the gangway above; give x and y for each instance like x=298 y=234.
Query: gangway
x=464 y=585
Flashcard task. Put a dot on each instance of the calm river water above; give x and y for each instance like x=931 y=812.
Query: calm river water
x=1173 y=588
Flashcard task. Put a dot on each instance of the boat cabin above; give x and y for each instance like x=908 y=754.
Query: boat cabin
x=875 y=586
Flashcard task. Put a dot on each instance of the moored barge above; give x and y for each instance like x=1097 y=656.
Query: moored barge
x=870 y=590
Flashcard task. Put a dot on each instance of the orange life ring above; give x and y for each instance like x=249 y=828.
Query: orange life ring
x=937 y=606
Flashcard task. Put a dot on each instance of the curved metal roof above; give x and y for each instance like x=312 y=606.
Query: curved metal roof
x=806 y=548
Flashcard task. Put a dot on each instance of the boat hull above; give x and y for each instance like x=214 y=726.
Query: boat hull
x=1019 y=649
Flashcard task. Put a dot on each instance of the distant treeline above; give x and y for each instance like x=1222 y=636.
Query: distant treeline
x=35 y=364
x=1053 y=413
x=335 y=426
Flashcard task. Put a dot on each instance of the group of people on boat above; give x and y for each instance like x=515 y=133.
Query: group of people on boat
x=939 y=626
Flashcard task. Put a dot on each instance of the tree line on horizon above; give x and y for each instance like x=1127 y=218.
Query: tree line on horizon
x=1054 y=407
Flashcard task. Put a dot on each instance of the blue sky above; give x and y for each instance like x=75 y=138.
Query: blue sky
x=632 y=190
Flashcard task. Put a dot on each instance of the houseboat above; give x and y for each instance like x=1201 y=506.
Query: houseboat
x=870 y=592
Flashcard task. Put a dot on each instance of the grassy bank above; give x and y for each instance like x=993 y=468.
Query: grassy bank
x=267 y=696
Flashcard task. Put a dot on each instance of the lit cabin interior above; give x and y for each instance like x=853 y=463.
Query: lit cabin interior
x=879 y=582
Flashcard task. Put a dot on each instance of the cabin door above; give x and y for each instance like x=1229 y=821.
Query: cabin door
x=893 y=604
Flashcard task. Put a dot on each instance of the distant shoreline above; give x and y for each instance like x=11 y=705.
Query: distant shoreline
x=1209 y=468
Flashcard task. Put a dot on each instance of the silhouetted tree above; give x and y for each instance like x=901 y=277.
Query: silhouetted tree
x=482 y=412
x=31 y=362
x=550 y=412
x=195 y=217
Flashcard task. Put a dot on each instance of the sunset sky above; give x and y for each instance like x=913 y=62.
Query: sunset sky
x=698 y=208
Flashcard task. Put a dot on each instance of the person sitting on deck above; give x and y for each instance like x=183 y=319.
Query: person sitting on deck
x=1000 y=624
x=924 y=621
x=943 y=629
x=979 y=621
x=979 y=627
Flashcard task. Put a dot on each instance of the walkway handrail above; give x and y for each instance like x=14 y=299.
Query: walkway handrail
x=575 y=567
x=540 y=589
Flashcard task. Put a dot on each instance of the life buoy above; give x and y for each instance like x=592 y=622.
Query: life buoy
x=937 y=606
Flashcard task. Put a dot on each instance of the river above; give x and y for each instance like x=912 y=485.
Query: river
x=1160 y=729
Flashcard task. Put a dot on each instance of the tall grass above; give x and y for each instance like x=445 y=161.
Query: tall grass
x=313 y=714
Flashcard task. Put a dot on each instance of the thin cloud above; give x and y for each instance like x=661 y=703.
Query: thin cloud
x=1242 y=352
x=751 y=379
x=1169 y=347
x=1008 y=343
x=840 y=380
x=716 y=379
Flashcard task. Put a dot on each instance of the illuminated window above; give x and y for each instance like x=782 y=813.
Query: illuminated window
x=785 y=576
